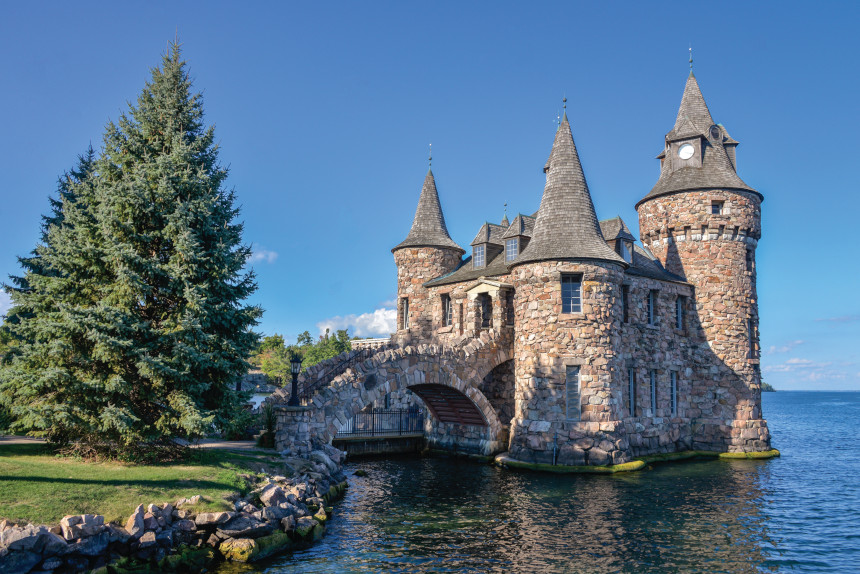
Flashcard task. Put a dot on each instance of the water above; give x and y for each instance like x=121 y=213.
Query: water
x=797 y=513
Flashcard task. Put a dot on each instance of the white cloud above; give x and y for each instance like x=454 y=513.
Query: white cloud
x=804 y=370
x=379 y=323
x=5 y=303
x=783 y=348
x=390 y=304
x=841 y=319
x=259 y=255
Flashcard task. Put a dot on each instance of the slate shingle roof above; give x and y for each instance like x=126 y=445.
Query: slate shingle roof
x=428 y=227
x=646 y=265
x=465 y=272
x=522 y=225
x=566 y=226
x=717 y=170
x=490 y=233
x=615 y=228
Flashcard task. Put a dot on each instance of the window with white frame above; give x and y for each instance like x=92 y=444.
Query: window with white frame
x=652 y=307
x=679 y=311
x=631 y=392
x=571 y=293
x=571 y=383
x=512 y=248
x=404 y=305
x=652 y=375
x=478 y=256
x=447 y=310
x=673 y=392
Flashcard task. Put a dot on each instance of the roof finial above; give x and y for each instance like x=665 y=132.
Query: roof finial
x=506 y=210
x=564 y=103
x=430 y=157
x=691 y=58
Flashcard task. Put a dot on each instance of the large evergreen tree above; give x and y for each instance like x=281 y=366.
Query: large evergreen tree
x=131 y=327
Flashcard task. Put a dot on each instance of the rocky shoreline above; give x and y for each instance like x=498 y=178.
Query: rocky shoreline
x=279 y=513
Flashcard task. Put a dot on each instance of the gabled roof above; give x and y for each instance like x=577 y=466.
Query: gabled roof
x=566 y=226
x=646 y=265
x=428 y=227
x=717 y=170
x=495 y=267
x=615 y=228
x=522 y=225
x=489 y=233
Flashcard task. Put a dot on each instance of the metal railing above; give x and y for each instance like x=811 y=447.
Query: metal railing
x=381 y=422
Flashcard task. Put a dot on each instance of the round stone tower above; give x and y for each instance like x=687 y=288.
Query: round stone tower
x=703 y=223
x=567 y=322
x=426 y=253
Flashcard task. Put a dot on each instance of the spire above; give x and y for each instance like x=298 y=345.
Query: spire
x=505 y=222
x=428 y=227
x=566 y=226
x=693 y=118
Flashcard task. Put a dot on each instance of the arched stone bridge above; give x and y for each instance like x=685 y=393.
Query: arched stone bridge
x=452 y=380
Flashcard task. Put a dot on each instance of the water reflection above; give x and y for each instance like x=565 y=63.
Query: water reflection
x=437 y=515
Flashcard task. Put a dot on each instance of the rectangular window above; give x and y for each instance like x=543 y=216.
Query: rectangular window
x=652 y=374
x=512 y=248
x=631 y=392
x=679 y=311
x=625 y=302
x=652 y=307
x=478 y=256
x=486 y=311
x=509 y=307
x=749 y=260
x=447 y=310
x=673 y=392
x=716 y=207
x=571 y=383
x=571 y=293
x=404 y=305
x=751 y=336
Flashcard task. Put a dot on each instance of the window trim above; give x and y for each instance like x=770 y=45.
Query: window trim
x=719 y=205
x=404 y=309
x=512 y=248
x=577 y=370
x=447 y=310
x=568 y=278
x=479 y=256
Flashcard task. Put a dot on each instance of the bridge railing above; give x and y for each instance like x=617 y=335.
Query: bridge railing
x=383 y=422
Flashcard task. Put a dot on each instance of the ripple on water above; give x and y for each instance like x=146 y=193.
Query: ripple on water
x=797 y=513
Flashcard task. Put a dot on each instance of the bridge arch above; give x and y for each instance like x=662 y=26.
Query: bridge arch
x=447 y=378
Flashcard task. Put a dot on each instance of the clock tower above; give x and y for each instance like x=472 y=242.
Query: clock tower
x=703 y=223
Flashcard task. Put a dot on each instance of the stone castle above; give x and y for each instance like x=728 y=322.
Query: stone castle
x=616 y=349
x=561 y=340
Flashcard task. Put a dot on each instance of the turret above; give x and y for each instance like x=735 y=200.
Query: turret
x=567 y=310
x=426 y=253
x=704 y=223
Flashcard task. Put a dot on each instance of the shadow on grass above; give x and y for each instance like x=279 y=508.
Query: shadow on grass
x=160 y=484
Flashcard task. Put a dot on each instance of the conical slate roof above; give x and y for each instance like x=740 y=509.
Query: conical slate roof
x=566 y=226
x=428 y=227
x=693 y=118
x=717 y=170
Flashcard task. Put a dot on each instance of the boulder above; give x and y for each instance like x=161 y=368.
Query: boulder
x=213 y=518
x=92 y=546
x=244 y=526
x=185 y=525
x=165 y=538
x=147 y=540
x=167 y=513
x=272 y=495
x=321 y=515
x=322 y=458
x=194 y=499
x=134 y=526
x=288 y=523
x=150 y=522
x=38 y=539
x=81 y=525
x=336 y=455
x=305 y=526
x=238 y=550
x=153 y=510
x=249 y=550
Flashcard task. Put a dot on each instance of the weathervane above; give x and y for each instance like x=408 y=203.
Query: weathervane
x=691 y=58
x=430 y=157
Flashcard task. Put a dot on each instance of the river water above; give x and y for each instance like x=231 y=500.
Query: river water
x=797 y=513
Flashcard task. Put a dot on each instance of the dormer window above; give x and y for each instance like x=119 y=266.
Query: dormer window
x=478 y=257
x=512 y=248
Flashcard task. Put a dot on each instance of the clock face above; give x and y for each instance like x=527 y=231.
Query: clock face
x=686 y=151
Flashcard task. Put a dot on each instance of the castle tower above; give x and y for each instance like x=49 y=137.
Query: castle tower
x=567 y=320
x=426 y=253
x=703 y=223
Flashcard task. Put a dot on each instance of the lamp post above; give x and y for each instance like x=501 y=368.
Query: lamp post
x=295 y=369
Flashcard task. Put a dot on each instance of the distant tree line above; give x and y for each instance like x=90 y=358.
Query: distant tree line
x=273 y=355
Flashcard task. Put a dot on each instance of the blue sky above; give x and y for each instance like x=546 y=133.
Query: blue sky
x=324 y=112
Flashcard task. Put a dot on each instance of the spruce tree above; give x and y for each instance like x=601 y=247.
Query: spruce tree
x=139 y=331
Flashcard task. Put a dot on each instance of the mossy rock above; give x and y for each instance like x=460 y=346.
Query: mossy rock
x=360 y=472
x=564 y=469
x=250 y=550
x=772 y=453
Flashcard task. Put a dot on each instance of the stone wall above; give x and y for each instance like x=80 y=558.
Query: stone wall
x=716 y=253
x=416 y=266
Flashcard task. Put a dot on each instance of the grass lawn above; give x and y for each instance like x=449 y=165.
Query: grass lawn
x=40 y=487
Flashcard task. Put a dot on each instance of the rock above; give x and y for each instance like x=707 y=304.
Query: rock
x=150 y=522
x=18 y=561
x=77 y=563
x=250 y=508
x=213 y=518
x=147 y=540
x=167 y=513
x=165 y=538
x=213 y=541
x=194 y=499
x=336 y=455
x=360 y=472
x=182 y=514
x=321 y=515
x=305 y=526
x=153 y=510
x=272 y=495
x=92 y=546
x=322 y=458
x=180 y=502
x=272 y=514
x=598 y=456
x=117 y=534
x=238 y=550
x=288 y=523
x=248 y=550
x=37 y=539
x=185 y=525
x=134 y=526
x=51 y=563
x=245 y=526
